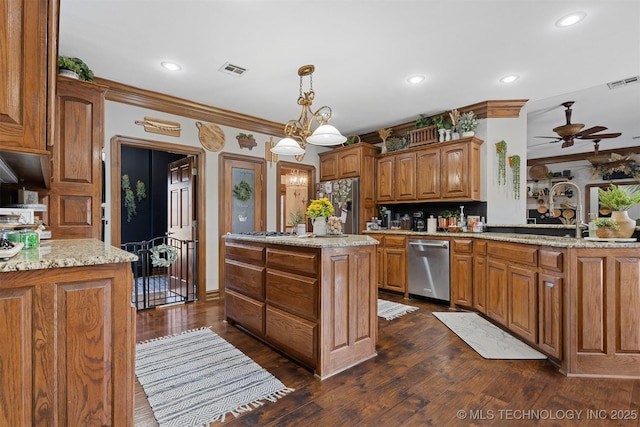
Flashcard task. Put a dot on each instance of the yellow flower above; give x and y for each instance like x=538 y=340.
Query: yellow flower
x=320 y=207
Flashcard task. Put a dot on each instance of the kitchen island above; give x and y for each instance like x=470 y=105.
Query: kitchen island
x=574 y=299
x=68 y=335
x=313 y=298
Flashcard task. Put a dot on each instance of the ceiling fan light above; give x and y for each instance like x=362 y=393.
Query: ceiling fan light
x=326 y=135
x=571 y=19
x=287 y=147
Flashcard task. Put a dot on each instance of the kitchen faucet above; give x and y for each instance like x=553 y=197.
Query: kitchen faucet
x=579 y=222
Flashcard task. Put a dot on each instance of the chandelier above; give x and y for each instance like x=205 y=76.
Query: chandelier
x=299 y=131
x=296 y=178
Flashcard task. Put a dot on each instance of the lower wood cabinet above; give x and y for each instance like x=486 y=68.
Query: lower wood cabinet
x=550 y=293
x=497 y=290
x=392 y=263
x=462 y=271
x=480 y=275
x=68 y=346
x=522 y=305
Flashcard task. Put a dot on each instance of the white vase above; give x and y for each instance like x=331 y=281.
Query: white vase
x=626 y=226
x=320 y=226
x=441 y=135
x=447 y=135
x=301 y=229
x=468 y=134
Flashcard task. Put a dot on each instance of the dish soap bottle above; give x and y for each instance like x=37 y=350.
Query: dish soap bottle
x=462 y=221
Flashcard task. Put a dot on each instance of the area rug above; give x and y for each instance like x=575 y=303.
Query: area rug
x=196 y=378
x=390 y=310
x=487 y=339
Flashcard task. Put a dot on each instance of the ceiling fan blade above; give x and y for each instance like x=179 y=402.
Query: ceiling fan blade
x=552 y=137
x=601 y=136
x=590 y=131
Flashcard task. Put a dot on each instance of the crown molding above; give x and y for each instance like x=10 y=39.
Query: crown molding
x=582 y=156
x=125 y=94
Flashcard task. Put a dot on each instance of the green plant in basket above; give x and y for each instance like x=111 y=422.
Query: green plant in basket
x=617 y=198
x=605 y=222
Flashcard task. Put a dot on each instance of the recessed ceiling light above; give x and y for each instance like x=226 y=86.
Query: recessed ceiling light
x=416 y=79
x=171 y=66
x=510 y=78
x=571 y=19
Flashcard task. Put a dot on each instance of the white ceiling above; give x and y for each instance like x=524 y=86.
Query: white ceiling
x=364 y=50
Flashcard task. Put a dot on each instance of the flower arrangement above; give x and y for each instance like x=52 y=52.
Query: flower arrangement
x=320 y=208
x=617 y=198
x=467 y=122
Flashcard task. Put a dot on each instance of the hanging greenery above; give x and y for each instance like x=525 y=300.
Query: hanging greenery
x=130 y=196
x=242 y=191
x=501 y=149
x=514 y=162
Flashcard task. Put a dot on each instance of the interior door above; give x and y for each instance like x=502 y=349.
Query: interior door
x=181 y=224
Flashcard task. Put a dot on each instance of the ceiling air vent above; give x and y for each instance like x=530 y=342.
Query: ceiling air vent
x=234 y=70
x=623 y=82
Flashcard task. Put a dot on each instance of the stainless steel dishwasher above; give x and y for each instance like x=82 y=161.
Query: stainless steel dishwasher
x=429 y=268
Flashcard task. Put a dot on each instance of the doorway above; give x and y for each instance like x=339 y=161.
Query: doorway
x=163 y=260
x=296 y=186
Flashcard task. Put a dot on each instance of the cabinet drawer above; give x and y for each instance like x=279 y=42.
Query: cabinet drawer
x=245 y=311
x=245 y=278
x=480 y=247
x=395 y=241
x=293 y=293
x=462 y=246
x=552 y=259
x=302 y=262
x=524 y=254
x=248 y=252
x=297 y=336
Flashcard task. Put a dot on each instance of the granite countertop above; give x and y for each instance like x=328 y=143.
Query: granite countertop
x=531 y=239
x=309 y=240
x=66 y=253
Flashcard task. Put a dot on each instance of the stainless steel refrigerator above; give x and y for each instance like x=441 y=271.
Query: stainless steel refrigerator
x=343 y=195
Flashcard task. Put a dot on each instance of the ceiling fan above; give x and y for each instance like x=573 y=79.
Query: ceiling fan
x=569 y=132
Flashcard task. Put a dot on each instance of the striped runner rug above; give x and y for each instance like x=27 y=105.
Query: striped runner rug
x=196 y=378
x=390 y=310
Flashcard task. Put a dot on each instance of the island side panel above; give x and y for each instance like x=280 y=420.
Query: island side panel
x=348 y=308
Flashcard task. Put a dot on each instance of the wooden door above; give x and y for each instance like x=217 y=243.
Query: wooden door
x=181 y=224
x=384 y=179
x=455 y=171
x=461 y=279
x=234 y=215
x=428 y=174
x=405 y=176
x=497 y=291
x=328 y=166
x=550 y=314
x=523 y=302
x=349 y=163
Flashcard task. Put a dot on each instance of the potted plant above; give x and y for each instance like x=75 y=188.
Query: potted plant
x=296 y=218
x=501 y=149
x=605 y=227
x=75 y=68
x=514 y=162
x=394 y=143
x=467 y=124
x=619 y=201
x=246 y=140
x=442 y=124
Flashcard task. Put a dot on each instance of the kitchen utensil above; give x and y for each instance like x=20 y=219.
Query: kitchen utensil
x=557 y=212
x=538 y=171
x=211 y=136
x=568 y=213
x=604 y=210
x=542 y=209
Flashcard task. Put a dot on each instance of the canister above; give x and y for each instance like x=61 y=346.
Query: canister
x=432 y=224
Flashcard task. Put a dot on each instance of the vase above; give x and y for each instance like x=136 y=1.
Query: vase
x=626 y=226
x=447 y=135
x=468 y=134
x=441 y=135
x=320 y=226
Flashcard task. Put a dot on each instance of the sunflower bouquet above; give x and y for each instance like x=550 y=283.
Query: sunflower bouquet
x=320 y=207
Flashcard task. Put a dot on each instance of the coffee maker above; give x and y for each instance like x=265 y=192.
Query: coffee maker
x=419 y=222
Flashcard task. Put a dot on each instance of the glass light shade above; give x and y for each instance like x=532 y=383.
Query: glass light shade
x=287 y=147
x=326 y=135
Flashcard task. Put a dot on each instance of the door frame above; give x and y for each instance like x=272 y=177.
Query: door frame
x=311 y=184
x=117 y=142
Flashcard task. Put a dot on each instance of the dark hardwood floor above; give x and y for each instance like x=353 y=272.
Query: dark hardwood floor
x=424 y=375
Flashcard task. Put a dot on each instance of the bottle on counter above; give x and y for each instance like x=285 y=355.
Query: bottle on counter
x=462 y=221
x=592 y=225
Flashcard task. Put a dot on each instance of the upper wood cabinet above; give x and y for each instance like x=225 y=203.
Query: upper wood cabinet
x=24 y=66
x=75 y=195
x=438 y=172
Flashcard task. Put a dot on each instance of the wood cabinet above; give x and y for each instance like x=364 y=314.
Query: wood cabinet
x=392 y=263
x=462 y=272
x=25 y=32
x=480 y=275
x=550 y=293
x=75 y=194
x=318 y=306
x=354 y=161
x=68 y=346
x=439 y=172
x=497 y=290
x=523 y=302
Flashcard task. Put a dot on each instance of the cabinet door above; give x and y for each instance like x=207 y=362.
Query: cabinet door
x=461 y=279
x=428 y=174
x=349 y=163
x=405 y=177
x=328 y=166
x=395 y=269
x=23 y=86
x=455 y=171
x=550 y=290
x=523 y=302
x=76 y=187
x=384 y=179
x=497 y=291
x=480 y=283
